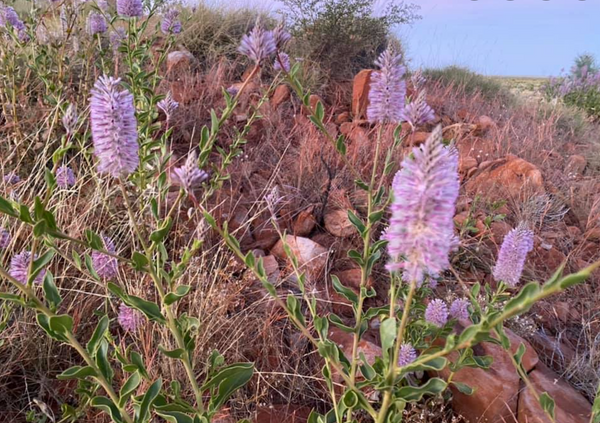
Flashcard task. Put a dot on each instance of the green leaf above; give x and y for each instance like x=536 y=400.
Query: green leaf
x=98 y=335
x=319 y=111
x=463 y=388
x=547 y=404
x=11 y=297
x=24 y=214
x=160 y=234
x=102 y=360
x=175 y=416
x=77 y=372
x=44 y=323
x=437 y=364
x=337 y=321
x=94 y=240
x=148 y=399
x=180 y=292
x=376 y=216
x=434 y=386
x=388 y=331
x=227 y=381
x=346 y=292
x=138 y=362
x=39 y=229
x=39 y=264
x=7 y=208
x=105 y=404
x=129 y=388
x=524 y=299
x=340 y=146
x=358 y=224
x=61 y=324
x=139 y=260
x=50 y=291
x=520 y=353
x=177 y=353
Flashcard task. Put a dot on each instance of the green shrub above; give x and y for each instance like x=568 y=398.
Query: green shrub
x=344 y=36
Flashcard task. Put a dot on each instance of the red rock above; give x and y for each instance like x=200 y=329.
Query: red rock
x=360 y=93
x=496 y=389
x=271 y=268
x=280 y=96
x=485 y=123
x=337 y=223
x=570 y=406
x=576 y=165
x=345 y=340
x=354 y=132
x=418 y=138
x=288 y=413
x=465 y=164
x=558 y=352
x=179 y=61
x=311 y=256
x=342 y=118
x=305 y=222
x=547 y=260
x=510 y=177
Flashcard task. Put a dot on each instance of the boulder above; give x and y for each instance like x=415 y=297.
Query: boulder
x=570 y=406
x=496 y=389
x=271 y=268
x=280 y=96
x=304 y=223
x=337 y=223
x=179 y=61
x=360 y=93
x=311 y=256
x=510 y=177
x=342 y=118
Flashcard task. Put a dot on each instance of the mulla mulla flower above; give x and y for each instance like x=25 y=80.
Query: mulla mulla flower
x=12 y=178
x=421 y=231
x=459 y=309
x=436 y=313
x=130 y=8
x=170 y=24
x=280 y=36
x=9 y=16
x=96 y=24
x=105 y=266
x=19 y=268
x=114 y=128
x=65 y=178
x=418 y=112
x=258 y=45
x=388 y=89
x=129 y=318
x=513 y=253
x=282 y=59
x=4 y=238
x=406 y=355
x=189 y=176
x=69 y=119
x=168 y=105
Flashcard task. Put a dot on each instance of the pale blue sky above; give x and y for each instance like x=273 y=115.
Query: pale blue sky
x=496 y=37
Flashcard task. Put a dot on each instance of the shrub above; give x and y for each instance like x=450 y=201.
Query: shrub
x=344 y=36
x=580 y=88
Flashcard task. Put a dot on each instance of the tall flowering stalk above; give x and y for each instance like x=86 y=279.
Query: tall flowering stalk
x=170 y=23
x=513 y=253
x=96 y=23
x=421 y=231
x=258 y=45
x=114 y=128
x=388 y=89
x=418 y=112
x=130 y=8
x=189 y=176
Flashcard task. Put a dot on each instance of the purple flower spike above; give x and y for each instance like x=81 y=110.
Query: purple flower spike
x=11 y=178
x=105 y=266
x=65 y=178
x=421 y=231
x=459 y=309
x=189 y=176
x=418 y=112
x=388 y=89
x=4 y=238
x=114 y=128
x=281 y=36
x=168 y=105
x=258 y=45
x=19 y=268
x=170 y=24
x=130 y=8
x=129 y=318
x=9 y=16
x=96 y=24
x=513 y=253
x=406 y=355
x=282 y=59
x=436 y=313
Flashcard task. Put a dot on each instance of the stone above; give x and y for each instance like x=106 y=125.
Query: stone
x=311 y=256
x=417 y=138
x=510 y=177
x=465 y=164
x=342 y=118
x=485 y=123
x=570 y=406
x=344 y=340
x=280 y=96
x=179 y=61
x=284 y=413
x=337 y=223
x=576 y=165
x=360 y=93
x=271 y=268
x=354 y=132
x=546 y=260
x=304 y=223
x=496 y=389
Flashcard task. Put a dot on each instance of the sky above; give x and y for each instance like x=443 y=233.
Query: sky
x=503 y=37
x=496 y=37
